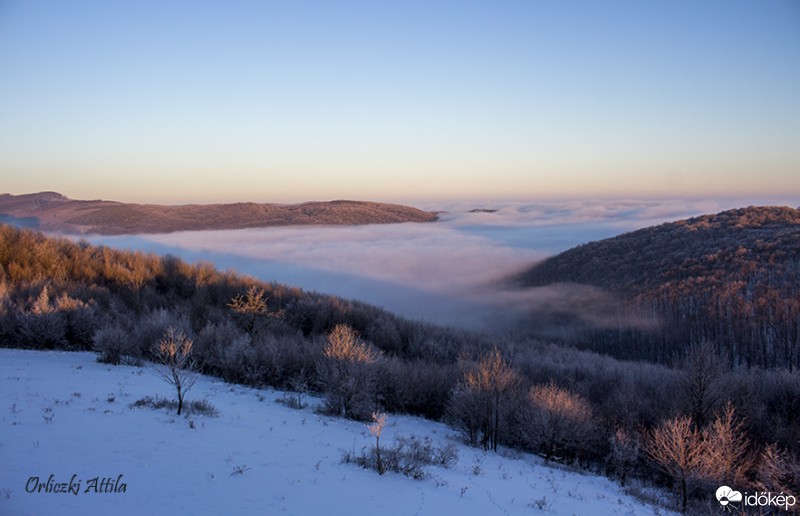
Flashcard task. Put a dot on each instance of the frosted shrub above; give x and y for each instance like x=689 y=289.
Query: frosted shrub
x=114 y=345
x=559 y=423
x=407 y=455
x=150 y=328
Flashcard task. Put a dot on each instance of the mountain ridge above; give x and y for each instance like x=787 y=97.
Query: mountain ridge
x=56 y=212
x=701 y=238
x=731 y=278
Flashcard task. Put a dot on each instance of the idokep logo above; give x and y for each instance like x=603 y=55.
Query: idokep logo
x=732 y=500
x=728 y=498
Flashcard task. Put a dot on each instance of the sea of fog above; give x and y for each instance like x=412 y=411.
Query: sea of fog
x=448 y=272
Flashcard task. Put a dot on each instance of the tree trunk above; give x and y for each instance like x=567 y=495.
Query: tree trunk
x=683 y=494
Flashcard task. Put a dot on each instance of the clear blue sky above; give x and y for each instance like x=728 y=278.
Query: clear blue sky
x=167 y=101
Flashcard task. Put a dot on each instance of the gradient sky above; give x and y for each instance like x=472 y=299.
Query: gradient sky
x=154 y=101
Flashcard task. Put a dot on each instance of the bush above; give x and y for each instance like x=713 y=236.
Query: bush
x=408 y=455
x=417 y=388
x=150 y=328
x=191 y=408
x=558 y=424
x=114 y=345
x=294 y=398
x=43 y=330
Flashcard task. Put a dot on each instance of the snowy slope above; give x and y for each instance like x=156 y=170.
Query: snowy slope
x=63 y=414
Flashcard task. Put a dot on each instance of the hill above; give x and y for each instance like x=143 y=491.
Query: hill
x=288 y=460
x=53 y=211
x=732 y=277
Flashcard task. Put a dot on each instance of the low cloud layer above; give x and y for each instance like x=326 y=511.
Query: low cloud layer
x=429 y=257
x=627 y=214
x=448 y=272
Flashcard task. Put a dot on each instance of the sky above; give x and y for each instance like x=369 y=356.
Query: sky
x=178 y=102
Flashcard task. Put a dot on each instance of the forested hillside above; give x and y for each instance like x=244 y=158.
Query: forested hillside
x=732 y=278
x=567 y=405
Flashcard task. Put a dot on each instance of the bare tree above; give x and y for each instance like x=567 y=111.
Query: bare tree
x=347 y=374
x=175 y=364
x=561 y=421
x=380 y=419
x=253 y=309
x=487 y=386
x=700 y=380
x=726 y=445
x=624 y=452
x=778 y=471
x=678 y=447
x=465 y=412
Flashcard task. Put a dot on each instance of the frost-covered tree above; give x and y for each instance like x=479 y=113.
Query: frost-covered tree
x=113 y=342
x=700 y=381
x=678 y=448
x=253 y=309
x=476 y=403
x=174 y=363
x=376 y=429
x=43 y=326
x=560 y=422
x=624 y=452
x=347 y=374
x=726 y=448
x=778 y=471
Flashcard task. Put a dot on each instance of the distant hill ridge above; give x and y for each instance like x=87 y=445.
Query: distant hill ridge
x=732 y=278
x=54 y=211
x=641 y=260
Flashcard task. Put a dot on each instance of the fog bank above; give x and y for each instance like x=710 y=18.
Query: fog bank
x=448 y=272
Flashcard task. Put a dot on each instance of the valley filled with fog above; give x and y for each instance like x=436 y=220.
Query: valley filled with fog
x=450 y=272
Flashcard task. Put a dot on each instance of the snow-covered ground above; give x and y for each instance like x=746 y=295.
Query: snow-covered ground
x=65 y=415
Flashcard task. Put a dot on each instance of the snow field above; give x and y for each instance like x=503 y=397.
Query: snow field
x=64 y=414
